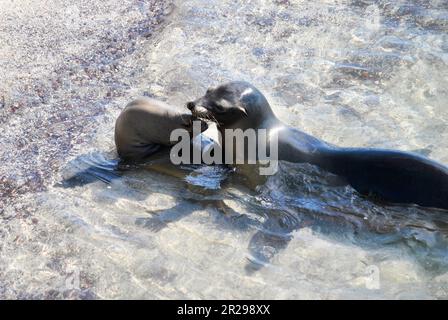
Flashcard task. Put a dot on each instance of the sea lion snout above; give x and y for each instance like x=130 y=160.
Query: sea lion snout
x=198 y=109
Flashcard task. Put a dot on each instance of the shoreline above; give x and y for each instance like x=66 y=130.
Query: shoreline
x=46 y=116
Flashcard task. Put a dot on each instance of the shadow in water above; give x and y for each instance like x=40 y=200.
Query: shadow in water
x=282 y=208
x=201 y=185
x=267 y=242
x=301 y=196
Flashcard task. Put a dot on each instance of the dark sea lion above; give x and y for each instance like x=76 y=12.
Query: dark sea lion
x=391 y=176
x=145 y=125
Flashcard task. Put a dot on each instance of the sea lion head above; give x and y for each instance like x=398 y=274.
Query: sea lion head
x=232 y=103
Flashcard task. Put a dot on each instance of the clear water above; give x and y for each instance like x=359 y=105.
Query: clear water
x=77 y=224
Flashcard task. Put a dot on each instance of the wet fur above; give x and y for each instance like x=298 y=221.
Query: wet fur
x=388 y=175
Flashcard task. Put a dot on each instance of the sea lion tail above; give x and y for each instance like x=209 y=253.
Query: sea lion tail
x=392 y=176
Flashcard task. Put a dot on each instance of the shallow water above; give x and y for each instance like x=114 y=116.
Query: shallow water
x=77 y=224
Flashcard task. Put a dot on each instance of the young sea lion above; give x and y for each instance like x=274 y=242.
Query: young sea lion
x=145 y=125
x=392 y=176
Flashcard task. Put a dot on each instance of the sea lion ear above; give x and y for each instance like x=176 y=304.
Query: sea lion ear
x=242 y=110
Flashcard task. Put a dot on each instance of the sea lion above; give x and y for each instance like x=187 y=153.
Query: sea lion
x=389 y=175
x=145 y=125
